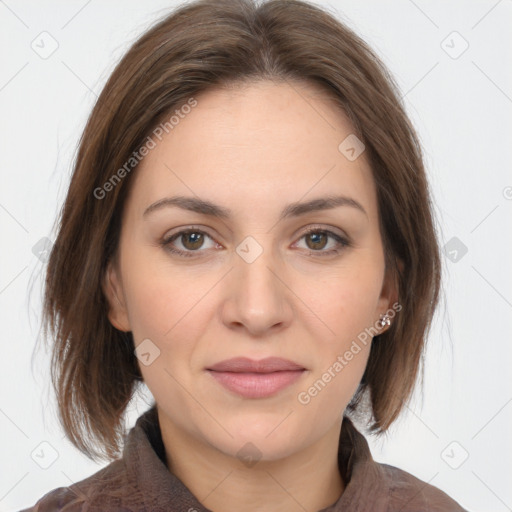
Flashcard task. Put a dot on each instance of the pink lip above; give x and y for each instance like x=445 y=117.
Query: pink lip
x=256 y=379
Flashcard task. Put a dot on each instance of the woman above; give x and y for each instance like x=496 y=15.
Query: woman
x=248 y=232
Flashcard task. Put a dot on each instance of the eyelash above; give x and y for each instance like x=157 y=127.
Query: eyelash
x=343 y=242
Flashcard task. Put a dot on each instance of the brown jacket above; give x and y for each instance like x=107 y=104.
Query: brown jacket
x=140 y=481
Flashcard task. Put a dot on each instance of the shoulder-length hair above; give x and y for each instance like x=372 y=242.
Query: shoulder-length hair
x=214 y=43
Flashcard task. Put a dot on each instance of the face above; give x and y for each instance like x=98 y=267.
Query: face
x=198 y=288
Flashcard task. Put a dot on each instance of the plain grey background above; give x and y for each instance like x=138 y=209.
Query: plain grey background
x=452 y=62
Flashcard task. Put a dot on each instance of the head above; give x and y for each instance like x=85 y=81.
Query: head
x=259 y=126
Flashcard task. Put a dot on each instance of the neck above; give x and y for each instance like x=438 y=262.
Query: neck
x=306 y=480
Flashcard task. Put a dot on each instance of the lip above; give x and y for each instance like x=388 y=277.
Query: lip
x=267 y=365
x=256 y=379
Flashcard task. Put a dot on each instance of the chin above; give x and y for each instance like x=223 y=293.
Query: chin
x=258 y=439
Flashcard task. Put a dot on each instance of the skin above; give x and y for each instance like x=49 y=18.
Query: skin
x=253 y=149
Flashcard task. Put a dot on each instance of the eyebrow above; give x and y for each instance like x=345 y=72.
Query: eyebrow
x=201 y=206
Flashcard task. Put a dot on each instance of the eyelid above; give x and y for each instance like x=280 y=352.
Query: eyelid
x=185 y=229
x=328 y=229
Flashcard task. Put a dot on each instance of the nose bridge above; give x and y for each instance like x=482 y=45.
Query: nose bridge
x=254 y=264
x=257 y=297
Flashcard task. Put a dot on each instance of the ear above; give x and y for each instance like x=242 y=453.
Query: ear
x=389 y=292
x=113 y=290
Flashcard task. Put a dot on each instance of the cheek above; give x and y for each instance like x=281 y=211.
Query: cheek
x=151 y=308
x=164 y=310
x=171 y=309
x=346 y=303
x=342 y=354
x=161 y=299
x=347 y=306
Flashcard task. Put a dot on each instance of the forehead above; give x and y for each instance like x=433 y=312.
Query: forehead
x=258 y=143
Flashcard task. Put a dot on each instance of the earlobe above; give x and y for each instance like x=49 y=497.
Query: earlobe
x=389 y=293
x=112 y=288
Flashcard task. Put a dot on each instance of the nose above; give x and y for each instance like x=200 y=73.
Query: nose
x=257 y=299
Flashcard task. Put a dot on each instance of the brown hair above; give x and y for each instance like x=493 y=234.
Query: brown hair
x=198 y=46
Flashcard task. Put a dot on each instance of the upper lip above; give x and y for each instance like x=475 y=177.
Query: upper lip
x=267 y=365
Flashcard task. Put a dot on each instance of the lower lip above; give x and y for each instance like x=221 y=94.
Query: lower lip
x=256 y=385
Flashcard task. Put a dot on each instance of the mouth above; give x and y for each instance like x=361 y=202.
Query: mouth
x=256 y=379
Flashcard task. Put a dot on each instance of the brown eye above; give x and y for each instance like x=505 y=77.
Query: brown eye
x=192 y=240
x=318 y=240
x=189 y=242
x=322 y=242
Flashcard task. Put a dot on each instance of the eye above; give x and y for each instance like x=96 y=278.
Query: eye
x=191 y=240
x=317 y=239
